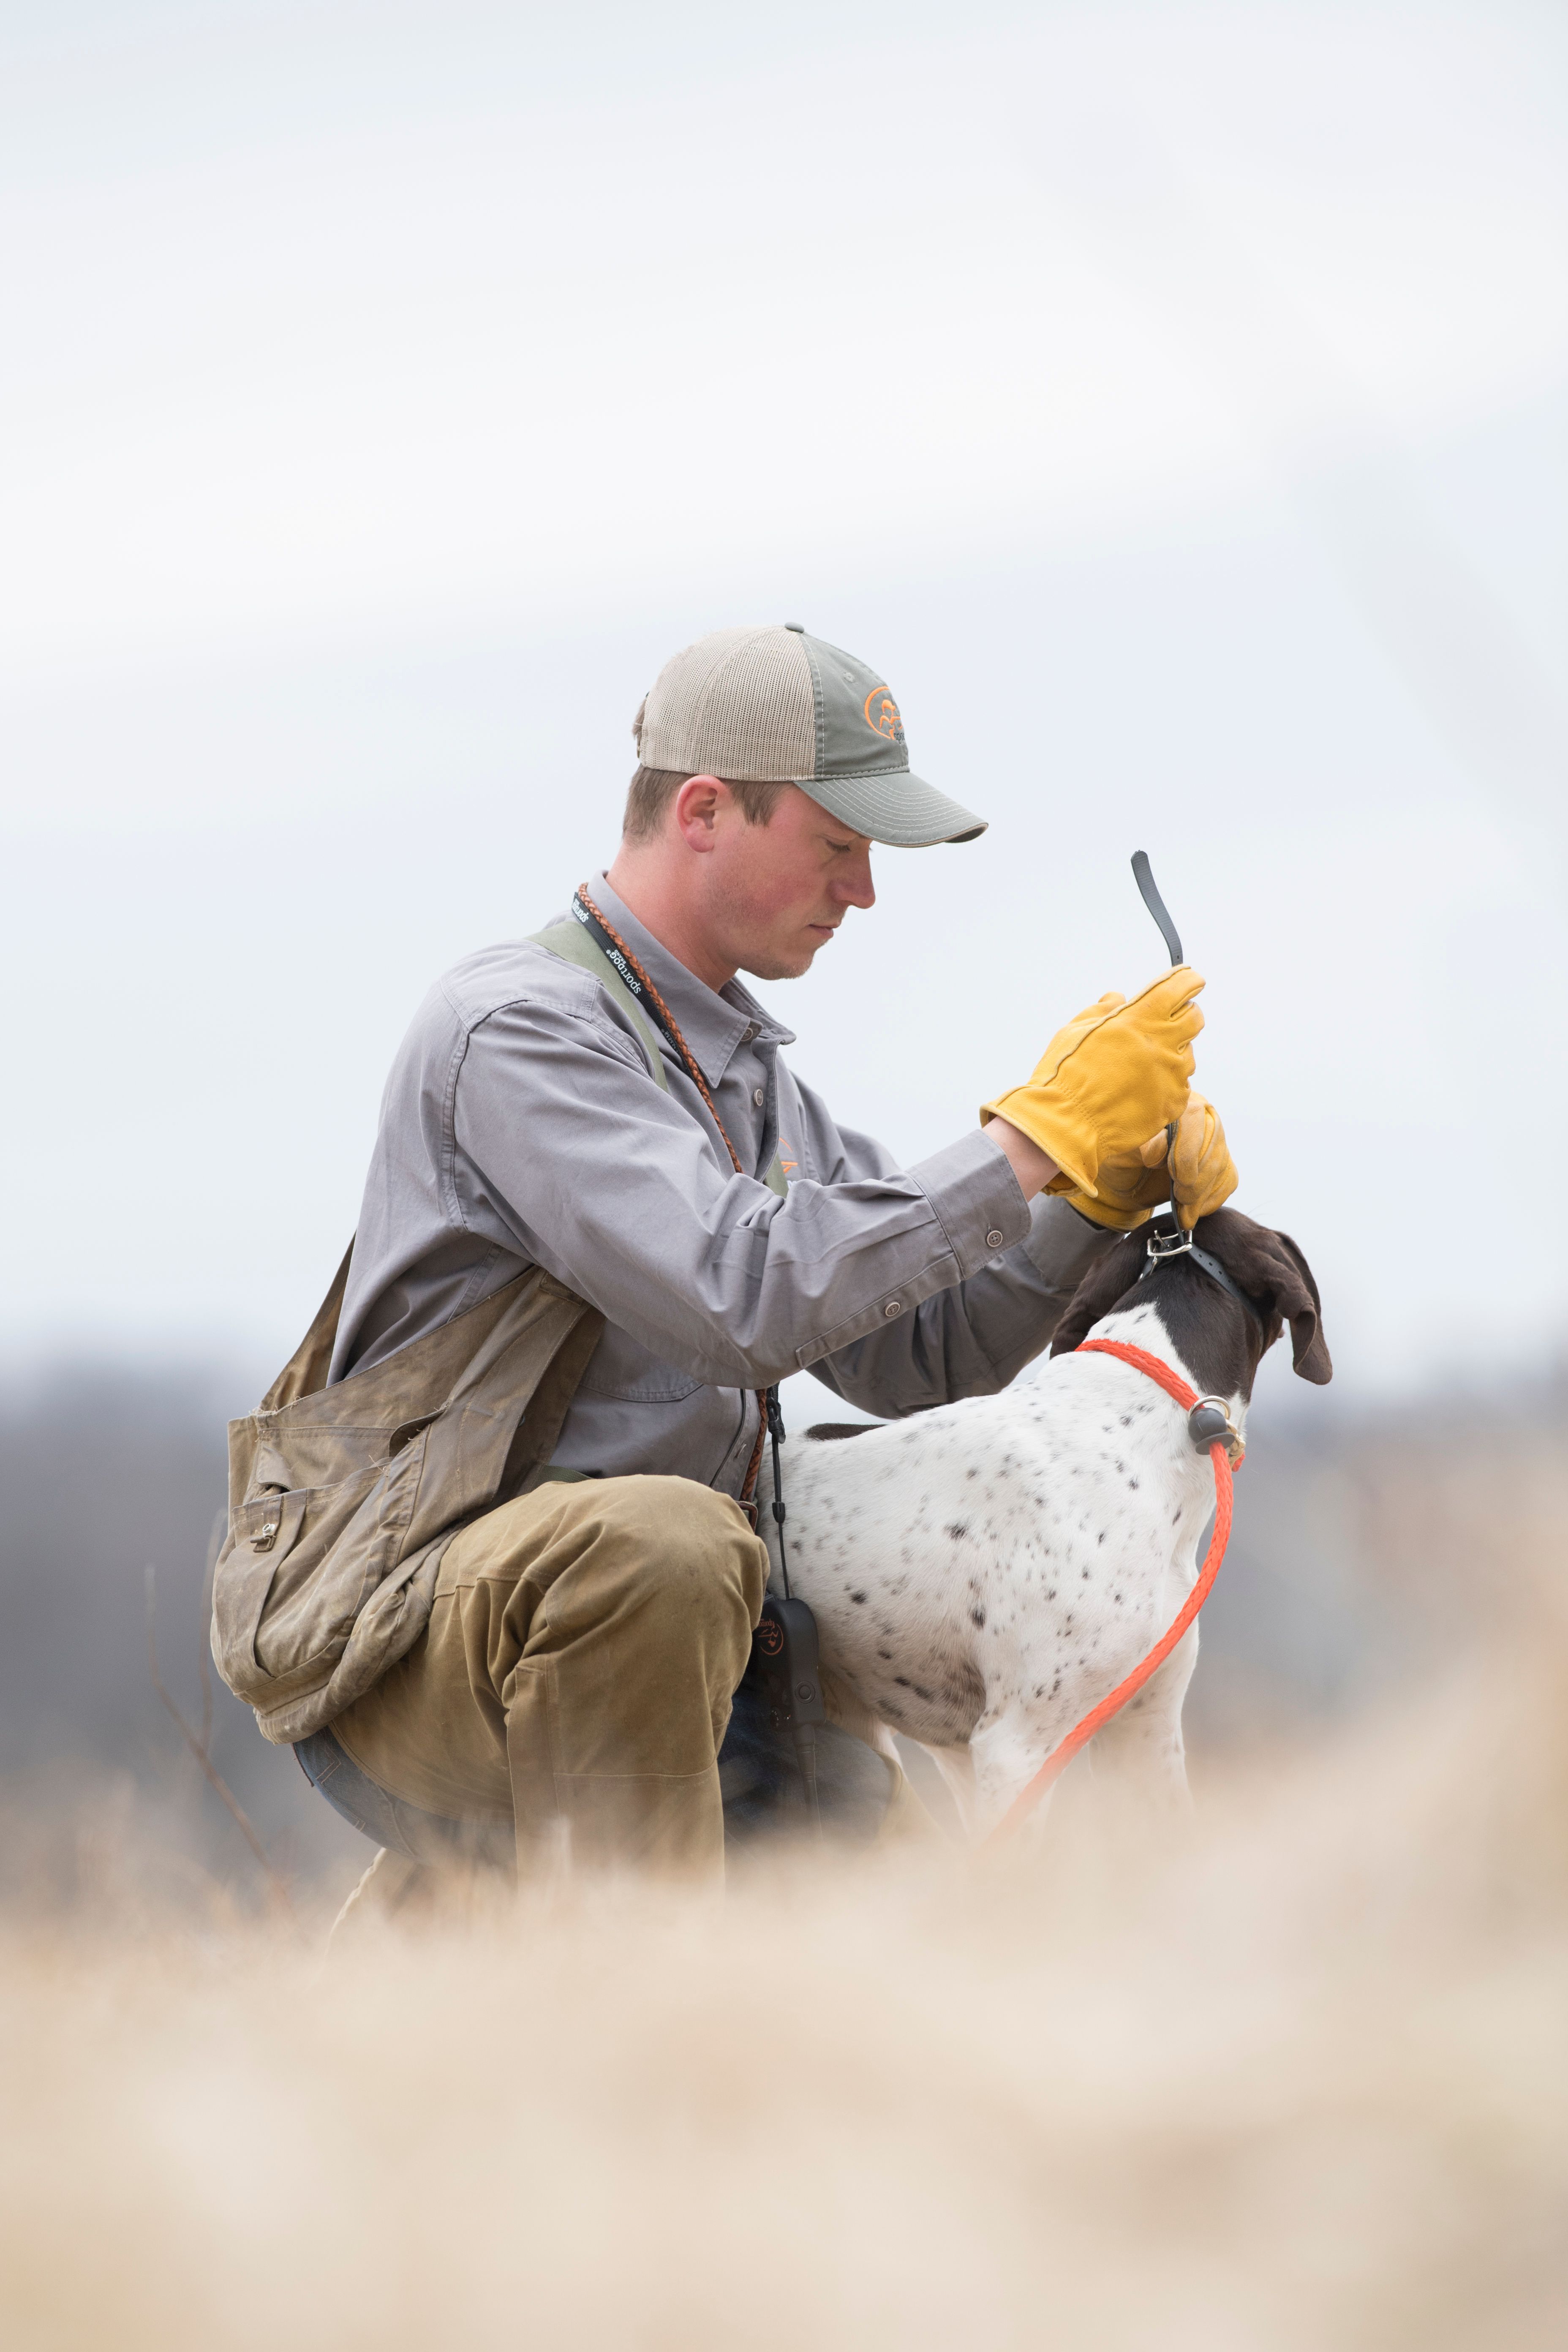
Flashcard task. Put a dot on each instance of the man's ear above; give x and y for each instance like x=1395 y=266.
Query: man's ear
x=1110 y=1278
x=1273 y=1271
x=695 y=805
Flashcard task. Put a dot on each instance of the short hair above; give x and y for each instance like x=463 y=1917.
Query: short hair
x=652 y=789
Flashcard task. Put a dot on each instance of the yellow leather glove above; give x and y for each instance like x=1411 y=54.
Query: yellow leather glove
x=1203 y=1174
x=1199 y=1173
x=1118 y=1071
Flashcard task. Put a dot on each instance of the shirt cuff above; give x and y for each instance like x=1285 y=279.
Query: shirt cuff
x=1062 y=1245
x=976 y=1200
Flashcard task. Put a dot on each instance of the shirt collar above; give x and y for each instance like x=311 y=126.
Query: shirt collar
x=714 y=1024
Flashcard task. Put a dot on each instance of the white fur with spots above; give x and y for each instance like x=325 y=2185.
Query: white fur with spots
x=985 y=1574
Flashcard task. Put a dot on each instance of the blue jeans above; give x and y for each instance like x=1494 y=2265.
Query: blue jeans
x=758 y=1776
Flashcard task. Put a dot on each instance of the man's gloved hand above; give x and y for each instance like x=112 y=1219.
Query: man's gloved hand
x=1109 y=1079
x=1202 y=1172
x=1199 y=1173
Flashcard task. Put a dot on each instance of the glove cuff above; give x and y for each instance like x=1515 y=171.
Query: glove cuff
x=1024 y=1110
x=1100 y=1212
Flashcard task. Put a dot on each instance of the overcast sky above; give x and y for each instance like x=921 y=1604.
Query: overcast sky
x=1169 y=400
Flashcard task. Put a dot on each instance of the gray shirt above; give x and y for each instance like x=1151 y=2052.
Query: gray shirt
x=521 y=1126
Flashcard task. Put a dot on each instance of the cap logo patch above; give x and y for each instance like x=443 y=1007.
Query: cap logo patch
x=882 y=715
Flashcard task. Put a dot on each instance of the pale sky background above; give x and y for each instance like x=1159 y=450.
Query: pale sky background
x=1169 y=400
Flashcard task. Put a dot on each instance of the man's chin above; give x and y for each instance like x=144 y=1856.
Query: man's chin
x=782 y=963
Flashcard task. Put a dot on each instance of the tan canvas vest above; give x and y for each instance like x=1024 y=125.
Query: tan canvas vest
x=341 y=1500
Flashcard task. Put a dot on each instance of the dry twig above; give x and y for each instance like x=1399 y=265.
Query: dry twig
x=277 y=1886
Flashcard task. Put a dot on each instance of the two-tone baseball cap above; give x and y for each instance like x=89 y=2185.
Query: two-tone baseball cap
x=775 y=706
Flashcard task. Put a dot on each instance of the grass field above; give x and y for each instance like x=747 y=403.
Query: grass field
x=1294 y=2075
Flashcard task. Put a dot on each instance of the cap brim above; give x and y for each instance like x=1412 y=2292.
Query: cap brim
x=903 y=811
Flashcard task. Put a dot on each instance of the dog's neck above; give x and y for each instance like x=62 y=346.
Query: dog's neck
x=1216 y=1341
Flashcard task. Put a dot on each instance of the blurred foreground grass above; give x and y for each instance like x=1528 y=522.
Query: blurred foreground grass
x=1294 y=2075
x=1292 y=2072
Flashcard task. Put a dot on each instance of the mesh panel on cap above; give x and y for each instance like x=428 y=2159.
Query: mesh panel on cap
x=737 y=703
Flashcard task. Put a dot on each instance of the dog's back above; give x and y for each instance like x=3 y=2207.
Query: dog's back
x=1011 y=1548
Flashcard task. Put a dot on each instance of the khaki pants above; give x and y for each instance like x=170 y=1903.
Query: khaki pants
x=578 y=1667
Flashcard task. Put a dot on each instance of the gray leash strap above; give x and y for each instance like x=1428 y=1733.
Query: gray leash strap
x=1144 y=875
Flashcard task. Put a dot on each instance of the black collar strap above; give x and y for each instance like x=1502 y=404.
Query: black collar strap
x=1163 y=1247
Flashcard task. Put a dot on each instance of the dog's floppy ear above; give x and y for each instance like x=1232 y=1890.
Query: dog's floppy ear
x=1110 y=1278
x=1272 y=1270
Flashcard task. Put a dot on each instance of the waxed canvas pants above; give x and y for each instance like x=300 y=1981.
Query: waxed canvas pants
x=577 y=1675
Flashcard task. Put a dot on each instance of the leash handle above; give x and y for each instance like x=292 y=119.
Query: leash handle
x=1144 y=875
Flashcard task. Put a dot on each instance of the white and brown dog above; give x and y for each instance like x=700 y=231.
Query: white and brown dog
x=985 y=1574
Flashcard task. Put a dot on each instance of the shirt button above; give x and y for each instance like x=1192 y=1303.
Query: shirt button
x=994 y=1239
x=894 y=1307
x=758 y=1096
x=747 y=1033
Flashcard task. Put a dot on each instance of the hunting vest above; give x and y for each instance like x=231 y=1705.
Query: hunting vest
x=341 y=1500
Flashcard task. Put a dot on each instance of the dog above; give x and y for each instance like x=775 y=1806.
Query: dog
x=983 y=1576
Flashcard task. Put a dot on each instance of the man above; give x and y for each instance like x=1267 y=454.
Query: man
x=608 y=1103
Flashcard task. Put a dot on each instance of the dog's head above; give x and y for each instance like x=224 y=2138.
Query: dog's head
x=1212 y=1331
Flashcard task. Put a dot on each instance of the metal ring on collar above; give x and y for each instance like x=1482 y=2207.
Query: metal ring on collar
x=1209 y=1419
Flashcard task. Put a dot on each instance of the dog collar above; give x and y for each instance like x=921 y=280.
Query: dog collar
x=1162 y=1246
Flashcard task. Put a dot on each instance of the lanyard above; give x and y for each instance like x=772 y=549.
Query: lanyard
x=770 y=1417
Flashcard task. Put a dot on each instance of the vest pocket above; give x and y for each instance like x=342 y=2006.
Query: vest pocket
x=299 y=1565
x=271 y=1523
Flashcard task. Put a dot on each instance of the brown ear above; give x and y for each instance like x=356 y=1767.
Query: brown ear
x=1110 y=1278
x=1272 y=1270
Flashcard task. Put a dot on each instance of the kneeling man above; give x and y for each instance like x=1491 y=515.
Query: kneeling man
x=607 y=1105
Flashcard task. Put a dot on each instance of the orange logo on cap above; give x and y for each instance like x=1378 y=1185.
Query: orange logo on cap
x=882 y=715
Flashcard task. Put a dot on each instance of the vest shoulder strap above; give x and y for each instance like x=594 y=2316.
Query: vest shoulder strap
x=305 y=1370
x=571 y=943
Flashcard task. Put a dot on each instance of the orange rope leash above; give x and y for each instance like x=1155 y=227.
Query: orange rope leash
x=1082 y=1733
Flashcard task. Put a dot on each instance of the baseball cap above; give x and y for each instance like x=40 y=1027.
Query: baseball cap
x=773 y=704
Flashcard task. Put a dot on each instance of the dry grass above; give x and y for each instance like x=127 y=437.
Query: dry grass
x=1296 y=2077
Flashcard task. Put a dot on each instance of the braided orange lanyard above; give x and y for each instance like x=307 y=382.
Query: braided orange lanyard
x=671 y=1027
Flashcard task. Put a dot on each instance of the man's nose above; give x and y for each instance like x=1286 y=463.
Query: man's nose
x=854 y=887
